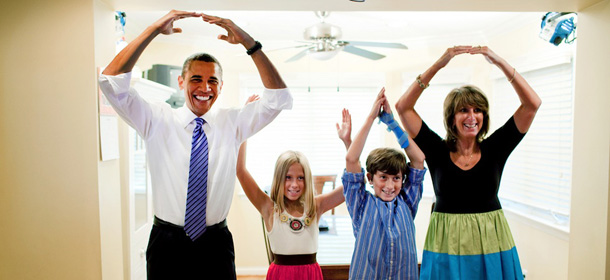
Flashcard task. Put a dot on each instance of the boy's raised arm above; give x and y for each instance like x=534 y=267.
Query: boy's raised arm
x=415 y=154
x=355 y=149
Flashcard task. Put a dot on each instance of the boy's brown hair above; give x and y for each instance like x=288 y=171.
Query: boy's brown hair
x=387 y=160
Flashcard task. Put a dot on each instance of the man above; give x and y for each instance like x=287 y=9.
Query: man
x=192 y=150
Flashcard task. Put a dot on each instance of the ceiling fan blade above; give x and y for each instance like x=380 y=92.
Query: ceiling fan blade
x=363 y=52
x=298 y=55
x=291 y=47
x=376 y=44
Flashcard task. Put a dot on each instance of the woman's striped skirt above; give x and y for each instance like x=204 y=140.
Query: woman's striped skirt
x=470 y=247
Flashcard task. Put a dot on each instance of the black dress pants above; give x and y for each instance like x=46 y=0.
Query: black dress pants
x=173 y=255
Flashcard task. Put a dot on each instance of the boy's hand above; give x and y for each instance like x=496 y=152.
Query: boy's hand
x=377 y=105
x=386 y=106
x=344 y=131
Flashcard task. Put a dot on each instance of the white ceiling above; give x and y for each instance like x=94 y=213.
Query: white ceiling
x=415 y=23
x=279 y=29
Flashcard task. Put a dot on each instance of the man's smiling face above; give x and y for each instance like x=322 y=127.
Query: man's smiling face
x=201 y=85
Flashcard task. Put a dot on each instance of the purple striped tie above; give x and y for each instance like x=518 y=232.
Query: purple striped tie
x=196 y=197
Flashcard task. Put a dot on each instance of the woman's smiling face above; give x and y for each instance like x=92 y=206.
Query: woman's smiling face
x=468 y=121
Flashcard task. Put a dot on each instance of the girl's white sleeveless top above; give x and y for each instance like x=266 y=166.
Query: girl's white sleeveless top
x=286 y=241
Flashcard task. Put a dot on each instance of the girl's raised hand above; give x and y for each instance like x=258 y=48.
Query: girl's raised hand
x=252 y=98
x=344 y=130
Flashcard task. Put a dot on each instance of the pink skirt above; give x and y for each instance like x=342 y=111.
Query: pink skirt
x=294 y=272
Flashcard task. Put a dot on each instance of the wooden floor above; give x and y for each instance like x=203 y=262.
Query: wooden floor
x=257 y=277
x=329 y=272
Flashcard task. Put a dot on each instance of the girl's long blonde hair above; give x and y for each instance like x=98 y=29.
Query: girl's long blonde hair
x=283 y=163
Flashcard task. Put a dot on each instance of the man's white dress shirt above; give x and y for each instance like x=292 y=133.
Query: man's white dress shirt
x=168 y=134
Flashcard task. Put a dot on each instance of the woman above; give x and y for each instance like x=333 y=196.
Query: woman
x=468 y=236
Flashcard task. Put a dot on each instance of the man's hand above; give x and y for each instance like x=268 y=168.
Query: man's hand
x=127 y=58
x=235 y=35
x=165 y=25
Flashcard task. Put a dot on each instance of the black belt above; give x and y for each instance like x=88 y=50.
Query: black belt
x=294 y=259
x=161 y=223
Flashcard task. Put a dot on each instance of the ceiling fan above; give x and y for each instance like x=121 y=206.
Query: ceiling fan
x=323 y=42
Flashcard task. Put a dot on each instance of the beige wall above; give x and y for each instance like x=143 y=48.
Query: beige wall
x=589 y=217
x=49 y=196
x=113 y=245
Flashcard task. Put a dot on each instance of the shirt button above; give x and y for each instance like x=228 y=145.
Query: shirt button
x=392 y=244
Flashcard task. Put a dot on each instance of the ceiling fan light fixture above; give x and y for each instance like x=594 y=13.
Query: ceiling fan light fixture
x=324 y=55
x=324 y=42
x=322 y=31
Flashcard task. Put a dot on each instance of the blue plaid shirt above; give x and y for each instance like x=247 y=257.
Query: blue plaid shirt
x=384 y=231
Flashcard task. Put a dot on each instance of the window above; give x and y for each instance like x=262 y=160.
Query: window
x=538 y=175
x=310 y=126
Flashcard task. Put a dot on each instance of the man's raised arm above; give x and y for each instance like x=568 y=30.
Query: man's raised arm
x=235 y=35
x=127 y=58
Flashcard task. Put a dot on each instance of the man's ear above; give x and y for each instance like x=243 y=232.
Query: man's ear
x=369 y=176
x=181 y=82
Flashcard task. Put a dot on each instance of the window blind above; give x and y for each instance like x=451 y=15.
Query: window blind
x=310 y=128
x=537 y=177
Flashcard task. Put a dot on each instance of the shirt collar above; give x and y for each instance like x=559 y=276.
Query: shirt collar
x=186 y=116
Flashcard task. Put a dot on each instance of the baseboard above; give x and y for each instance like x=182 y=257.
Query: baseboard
x=251 y=270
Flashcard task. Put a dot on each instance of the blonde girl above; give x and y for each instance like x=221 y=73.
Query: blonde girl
x=291 y=212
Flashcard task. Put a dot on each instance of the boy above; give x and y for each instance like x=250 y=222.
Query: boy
x=383 y=223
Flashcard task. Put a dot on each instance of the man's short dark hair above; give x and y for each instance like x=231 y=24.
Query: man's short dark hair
x=200 y=57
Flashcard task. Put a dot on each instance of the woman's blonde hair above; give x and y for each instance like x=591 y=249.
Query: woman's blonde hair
x=459 y=98
x=283 y=163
